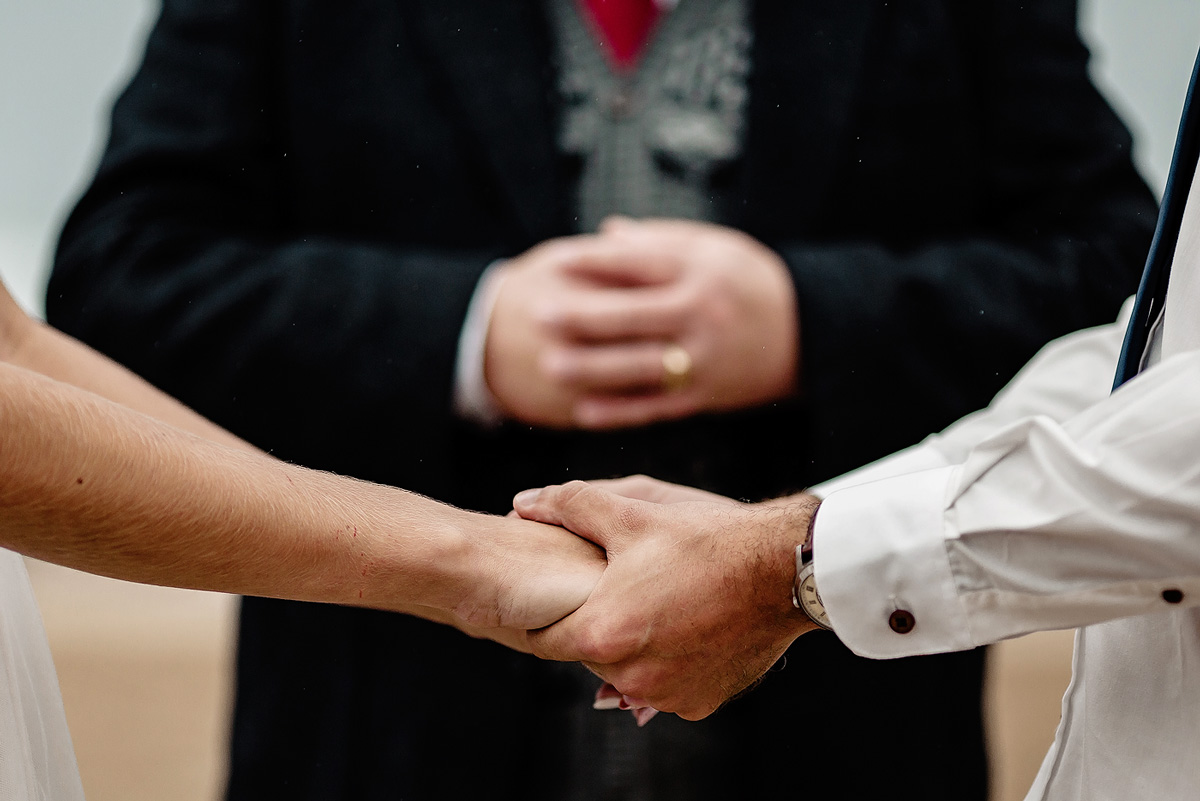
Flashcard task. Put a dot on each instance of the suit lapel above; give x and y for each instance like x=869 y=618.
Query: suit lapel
x=496 y=60
x=807 y=61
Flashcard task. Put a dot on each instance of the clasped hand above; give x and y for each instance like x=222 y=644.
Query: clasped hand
x=581 y=325
x=695 y=604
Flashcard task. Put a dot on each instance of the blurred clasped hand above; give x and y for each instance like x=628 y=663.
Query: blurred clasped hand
x=495 y=577
x=581 y=325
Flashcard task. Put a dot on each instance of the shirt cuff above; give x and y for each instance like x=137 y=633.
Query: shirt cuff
x=472 y=398
x=880 y=561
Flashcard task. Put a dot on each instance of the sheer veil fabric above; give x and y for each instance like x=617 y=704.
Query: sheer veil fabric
x=37 y=762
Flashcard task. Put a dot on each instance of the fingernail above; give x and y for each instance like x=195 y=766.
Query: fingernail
x=527 y=497
x=609 y=702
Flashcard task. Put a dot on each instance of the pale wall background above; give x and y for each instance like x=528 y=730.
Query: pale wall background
x=145 y=671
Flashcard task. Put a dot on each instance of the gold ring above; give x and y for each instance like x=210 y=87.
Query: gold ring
x=677 y=368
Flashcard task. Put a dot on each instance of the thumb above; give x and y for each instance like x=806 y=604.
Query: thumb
x=626 y=259
x=597 y=515
x=616 y=224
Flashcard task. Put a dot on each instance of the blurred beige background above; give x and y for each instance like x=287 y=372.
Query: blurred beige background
x=145 y=679
x=145 y=672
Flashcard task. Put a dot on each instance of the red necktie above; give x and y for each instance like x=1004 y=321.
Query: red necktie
x=624 y=27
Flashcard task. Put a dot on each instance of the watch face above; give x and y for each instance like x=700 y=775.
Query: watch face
x=810 y=599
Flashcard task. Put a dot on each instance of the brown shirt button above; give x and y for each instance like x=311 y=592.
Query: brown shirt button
x=902 y=621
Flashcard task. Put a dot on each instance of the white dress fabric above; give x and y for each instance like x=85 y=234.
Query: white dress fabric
x=37 y=762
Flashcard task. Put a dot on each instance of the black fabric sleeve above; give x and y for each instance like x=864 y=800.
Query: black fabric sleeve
x=314 y=341
x=1047 y=234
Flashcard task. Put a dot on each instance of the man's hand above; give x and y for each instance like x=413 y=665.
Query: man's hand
x=533 y=287
x=695 y=604
x=581 y=326
x=721 y=295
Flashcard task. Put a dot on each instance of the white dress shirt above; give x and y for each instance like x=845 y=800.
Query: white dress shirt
x=1060 y=506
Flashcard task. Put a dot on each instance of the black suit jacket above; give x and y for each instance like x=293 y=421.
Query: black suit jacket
x=288 y=223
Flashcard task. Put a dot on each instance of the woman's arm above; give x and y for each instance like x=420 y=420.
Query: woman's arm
x=135 y=486
x=26 y=342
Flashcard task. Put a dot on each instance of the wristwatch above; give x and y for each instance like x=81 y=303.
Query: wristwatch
x=804 y=591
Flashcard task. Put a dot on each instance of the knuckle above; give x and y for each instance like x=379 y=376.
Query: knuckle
x=582 y=496
x=593 y=651
x=576 y=491
x=684 y=304
x=641 y=482
x=632 y=517
x=693 y=713
x=646 y=681
x=603 y=644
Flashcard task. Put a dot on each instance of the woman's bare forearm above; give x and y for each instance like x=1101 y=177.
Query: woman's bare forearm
x=93 y=485
x=102 y=472
x=45 y=350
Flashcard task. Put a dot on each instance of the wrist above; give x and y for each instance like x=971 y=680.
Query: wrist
x=446 y=569
x=397 y=551
x=789 y=528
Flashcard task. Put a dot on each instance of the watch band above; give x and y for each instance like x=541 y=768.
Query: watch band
x=806 y=547
x=805 y=595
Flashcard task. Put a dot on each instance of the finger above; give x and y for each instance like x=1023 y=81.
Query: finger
x=611 y=315
x=629 y=702
x=597 y=515
x=599 y=412
x=622 y=261
x=616 y=224
x=560 y=643
x=645 y=488
x=587 y=638
x=608 y=260
x=658 y=234
x=644 y=715
x=641 y=487
x=544 y=504
x=607 y=369
x=607 y=697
